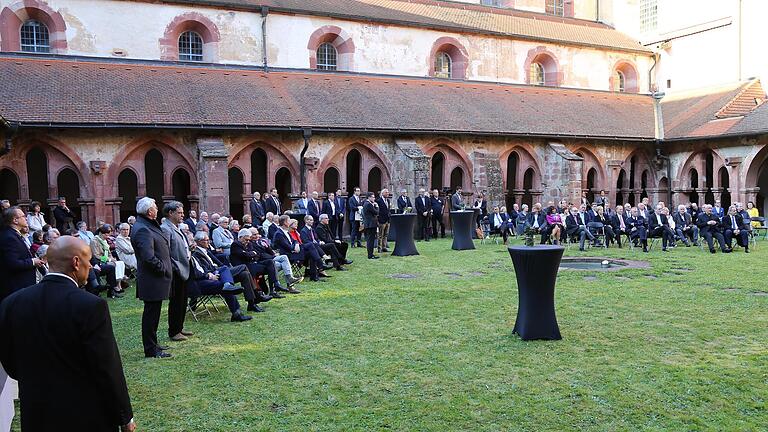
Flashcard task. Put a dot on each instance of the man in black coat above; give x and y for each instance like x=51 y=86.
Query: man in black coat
x=658 y=226
x=326 y=234
x=576 y=226
x=619 y=224
x=685 y=226
x=370 y=221
x=240 y=254
x=154 y=272
x=424 y=214
x=353 y=205
x=735 y=225
x=710 y=227
x=331 y=208
x=638 y=228
x=63 y=216
x=383 y=202
x=341 y=205
x=56 y=340
x=437 y=206
x=403 y=201
x=17 y=265
x=272 y=202
x=309 y=236
x=258 y=213
x=314 y=206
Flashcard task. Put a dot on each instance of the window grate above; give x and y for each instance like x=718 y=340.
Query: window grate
x=648 y=15
x=556 y=7
x=443 y=65
x=326 y=57
x=35 y=37
x=190 y=47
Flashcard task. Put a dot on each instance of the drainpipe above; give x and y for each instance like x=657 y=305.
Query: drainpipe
x=303 y=169
x=264 y=13
x=597 y=11
x=651 y=88
x=659 y=122
x=741 y=39
x=12 y=130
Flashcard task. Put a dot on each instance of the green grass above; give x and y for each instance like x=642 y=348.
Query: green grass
x=678 y=352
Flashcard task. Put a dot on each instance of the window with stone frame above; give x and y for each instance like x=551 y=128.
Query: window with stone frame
x=35 y=37
x=190 y=47
x=327 y=57
x=537 y=74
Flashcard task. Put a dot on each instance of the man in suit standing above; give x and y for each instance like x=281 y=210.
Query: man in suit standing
x=314 y=206
x=353 y=205
x=710 y=227
x=424 y=212
x=191 y=221
x=403 y=201
x=457 y=201
x=272 y=203
x=65 y=219
x=438 y=206
x=370 y=221
x=154 y=272
x=718 y=210
x=57 y=341
x=383 y=202
x=257 y=209
x=736 y=226
x=341 y=205
x=331 y=209
x=173 y=211
x=17 y=265
x=685 y=227
x=302 y=203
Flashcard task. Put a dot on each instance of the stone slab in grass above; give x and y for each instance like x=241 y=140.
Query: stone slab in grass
x=403 y=276
x=760 y=293
x=590 y=278
x=730 y=289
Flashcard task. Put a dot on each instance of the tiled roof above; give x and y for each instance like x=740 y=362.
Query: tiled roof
x=95 y=93
x=456 y=17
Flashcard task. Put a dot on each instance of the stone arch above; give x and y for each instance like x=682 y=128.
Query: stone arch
x=756 y=179
x=553 y=75
x=697 y=159
x=331 y=179
x=456 y=51
x=341 y=41
x=642 y=162
x=14 y=16
x=526 y=159
x=278 y=156
x=455 y=156
x=190 y=21
x=9 y=185
x=591 y=161
x=631 y=78
x=235 y=184
x=370 y=154
x=128 y=191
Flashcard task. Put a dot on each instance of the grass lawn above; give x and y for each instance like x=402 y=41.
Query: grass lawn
x=680 y=346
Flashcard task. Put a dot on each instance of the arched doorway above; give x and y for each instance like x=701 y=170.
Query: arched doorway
x=68 y=186
x=37 y=179
x=236 y=193
x=258 y=171
x=354 y=168
x=457 y=178
x=694 y=182
x=128 y=190
x=591 y=179
x=331 y=180
x=284 y=187
x=644 y=185
x=512 y=163
x=154 y=170
x=619 y=186
x=9 y=186
x=528 y=187
x=725 y=183
x=374 y=180
x=181 y=188
x=709 y=178
x=437 y=171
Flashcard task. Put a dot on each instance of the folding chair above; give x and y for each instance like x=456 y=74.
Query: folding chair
x=762 y=227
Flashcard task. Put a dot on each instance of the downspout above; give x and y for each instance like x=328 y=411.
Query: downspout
x=741 y=39
x=659 y=123
x=303 y=169
x=597 y=11
x=264 y=13
x=651 y=88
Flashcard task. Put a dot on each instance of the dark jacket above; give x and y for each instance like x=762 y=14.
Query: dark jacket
x=341 y=204
x=191 y=224
x=682 y=220
x=239 y=254
x=272 y=205
x=153 y=256
x=456 y=202
x=541 y=217
x=403 y=202
x=307 y=233
x=383 y=210
x=325 y=233
x=353 y=203
x=56 y=340
x=314 y=209
x=653 y=221
x=64 y=219
x=423 y=204
x=370 y=215
x=704 y=227
x=257 y=210
x=616 y=223
x=16 y=265
x=437 y=206
x=332 y=212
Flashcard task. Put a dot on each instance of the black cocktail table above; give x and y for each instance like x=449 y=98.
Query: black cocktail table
x=462 y=223
x=536 y=272
x=403 y=225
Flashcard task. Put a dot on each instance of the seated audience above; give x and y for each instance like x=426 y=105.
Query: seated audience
x=124 y=247
x=736 y=226
x=576 y=226
x=326 y=234
x=537 y=221
x=309 y=236
x=35 y=218
x=555 y=222
x=104 y=264
x=619 y=224
x=658 y=226
x=263 y=248
x=753 y=213
x=37 y=241
x=685 y=226
x=221 y=235
x=638 y=229
x=243 y=255
x=602 y=219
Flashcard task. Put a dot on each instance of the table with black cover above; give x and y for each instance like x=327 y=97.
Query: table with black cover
x=536 y=271
x=403 y=226
x=463 y=223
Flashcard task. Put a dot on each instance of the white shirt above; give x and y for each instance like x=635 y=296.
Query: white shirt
x=64 y=276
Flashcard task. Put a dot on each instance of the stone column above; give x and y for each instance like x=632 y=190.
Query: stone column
x=537 y=195
x=735 y=184
x=113 y=209
x=194 y=203
x=87 y=213
x=212 y=174
x=518 y=194
x=750 y=194
x=246 y=199
x=718 y=193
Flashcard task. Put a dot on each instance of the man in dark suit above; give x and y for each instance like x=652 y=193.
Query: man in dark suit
x=736 y=226
x=370 y=221
x=57 y=341
x=658 y=226
x=424 y=214
x=272 y=202
x=457 y=201
x=65 y=219
x=537 y=221
x=154 y=272
x=309 y=236
x=718 y=210
x=331 y=208
x=241 y=254
x=173 y=214
x=437 y=205
x=257 y=209
x=638 y=228
x=264 y=253
x=341 y=205
x=302 y=203
x=403 y=201
x=191 y=221
x=481 y=208
x=17 y=265
x=685 y=226
x=314 y=206
x=710 y=227
x=576 y=226
x=383 y=203
x=619 y=224
x=353 y=206
x=326 y=234
x=286 y=245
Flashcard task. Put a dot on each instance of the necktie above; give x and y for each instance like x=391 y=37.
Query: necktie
x=733 y=222
x=581 y=215
x=621 y=222
x=312 y=234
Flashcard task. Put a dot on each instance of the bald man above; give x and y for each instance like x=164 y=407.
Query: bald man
x=56 y=339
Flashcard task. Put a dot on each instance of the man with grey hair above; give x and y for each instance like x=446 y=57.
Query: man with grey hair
x=264 y=251
x=314 y=207
x=173 y=212
x=154 y=272
x=685 y=226
x=257 y=209
x=403 y=201
x=327 y=235
x=383 y=202
x=269 y=226
x=214 y=222
x=221 y=236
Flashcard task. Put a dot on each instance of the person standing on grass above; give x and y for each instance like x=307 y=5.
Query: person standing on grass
x=154 y=272
x=370 y=221
x=57 y=341
x=180 y=254
x=17 y=265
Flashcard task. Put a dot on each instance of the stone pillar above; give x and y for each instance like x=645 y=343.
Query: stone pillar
x=562 y=176
x=87 y=207
x=518 y=194
x=624 y=196
x=653 y=196
x=194 y=203
x=212 y=174
x=735 y=184
x=538 y=195
x=246 y=199
x=410 y=166
x=487 y=173
x=718 y=193
x=113 y=209
x=750 y=194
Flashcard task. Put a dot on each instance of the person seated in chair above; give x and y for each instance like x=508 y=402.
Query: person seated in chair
x=602 y=219
x=202 y=282
x=685 y=226
x=263 y=249
x=240 y=254
x=521 y=220
x=537 y=221
x=312 y=251
x=285 y=244
x=309 y=236
x=239 y=273
x=710 y=228
x=326 y=234
x=555 y=222
x=619 y=224
x=754 y=213
x=638 y=230
x=658 y=226
x=735 y=226
x=576 y=226
x=103 y=262
x=498 y=222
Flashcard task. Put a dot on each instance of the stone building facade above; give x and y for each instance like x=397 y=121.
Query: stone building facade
x=107 y=112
